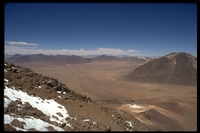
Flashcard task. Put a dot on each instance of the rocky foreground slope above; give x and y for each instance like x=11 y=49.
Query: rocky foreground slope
x=33 y=102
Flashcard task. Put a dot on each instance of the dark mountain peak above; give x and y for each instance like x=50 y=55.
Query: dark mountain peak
x=106 y=58
x=174 y=54
x=17 y=55
x=13 y=58
x=39 y=54
x=174 y=68
x=73 y=56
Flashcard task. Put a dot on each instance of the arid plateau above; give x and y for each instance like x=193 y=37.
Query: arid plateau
x=171 y=107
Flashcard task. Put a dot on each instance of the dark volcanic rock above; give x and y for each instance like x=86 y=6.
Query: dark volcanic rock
x=7 y=127
x=52 y=82
x=32 y=130
x=50 y=128
x=17 y=123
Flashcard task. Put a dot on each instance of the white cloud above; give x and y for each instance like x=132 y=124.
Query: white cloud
x=131 y=50
x=20 y=43
x=33 y=50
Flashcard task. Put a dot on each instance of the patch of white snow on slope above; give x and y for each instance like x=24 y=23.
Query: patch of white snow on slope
x=31 y=122
x=6 y=80
x=48 y=107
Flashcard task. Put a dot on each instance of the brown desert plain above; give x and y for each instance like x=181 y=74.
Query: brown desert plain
x=172 y=107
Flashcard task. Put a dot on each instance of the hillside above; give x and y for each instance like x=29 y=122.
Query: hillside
x=139 y=60
x=33 y=102
x=175 y=68
x=123 y=58
x=57 y=59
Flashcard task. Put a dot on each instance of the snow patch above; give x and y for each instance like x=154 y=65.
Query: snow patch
x=40 y=86
x=93 y=122
x=48 y=107
x=135 y=106
x=140 y=57
x=6 y=80
x=30 y=123
x=171 y=55
x=59 y=92
x=130 y=124
x=19 y=109
x=6 y=102
x=86 y=120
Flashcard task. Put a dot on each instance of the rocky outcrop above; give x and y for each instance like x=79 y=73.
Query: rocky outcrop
x=8 y=127
x=34 y=83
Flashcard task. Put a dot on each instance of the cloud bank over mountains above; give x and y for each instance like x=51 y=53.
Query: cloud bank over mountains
x=12 y=47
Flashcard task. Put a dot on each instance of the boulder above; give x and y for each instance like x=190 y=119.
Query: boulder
x=58 y=113
x=27 y=105
x=57 y=88
x=54 y=123
x=32 y=130
x=8 y=127
x=50 y=128
x=52 y=82
x=14 y=70
x=62 y=125
x=17 y=123
x=66 y=128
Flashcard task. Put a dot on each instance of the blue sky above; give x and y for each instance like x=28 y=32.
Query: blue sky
x=100 y=28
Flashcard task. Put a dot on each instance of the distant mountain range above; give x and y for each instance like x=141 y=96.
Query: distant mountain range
x=175 y=68
x=71 y=59
x=60 y=59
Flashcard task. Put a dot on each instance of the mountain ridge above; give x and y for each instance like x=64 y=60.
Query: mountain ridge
x=72 y=59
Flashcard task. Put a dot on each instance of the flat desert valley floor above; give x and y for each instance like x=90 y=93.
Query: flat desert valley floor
x=172 y=107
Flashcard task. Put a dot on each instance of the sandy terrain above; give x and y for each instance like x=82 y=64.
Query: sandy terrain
x=172 y=107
